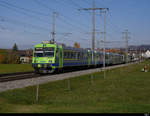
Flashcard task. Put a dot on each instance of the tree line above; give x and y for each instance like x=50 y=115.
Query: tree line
x=9 y=56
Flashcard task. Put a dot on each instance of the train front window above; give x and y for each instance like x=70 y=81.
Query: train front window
x=44 y=52
x=38 y=49
x=49 y=54
x=38 y=55
x=39 y=52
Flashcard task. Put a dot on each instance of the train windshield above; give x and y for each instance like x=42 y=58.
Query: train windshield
x=44 y=52
x=38 y=55
x=49 y=52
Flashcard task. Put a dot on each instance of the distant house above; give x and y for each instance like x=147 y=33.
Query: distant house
x=147 y=54
x=25 y=56
x=24 y=59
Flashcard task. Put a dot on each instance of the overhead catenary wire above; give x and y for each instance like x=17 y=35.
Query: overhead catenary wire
x=72 y=23
x=60 y=14
x=21 y=22
x=23 y=13
x=65 y=19
x=13 y=21
x=25 y=9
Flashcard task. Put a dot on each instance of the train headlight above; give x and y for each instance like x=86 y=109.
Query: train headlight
x=39 y=65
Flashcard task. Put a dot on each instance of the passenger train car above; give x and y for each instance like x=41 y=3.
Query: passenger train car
x=49 y=57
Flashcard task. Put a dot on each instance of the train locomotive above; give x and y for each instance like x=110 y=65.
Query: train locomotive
x=49 y=57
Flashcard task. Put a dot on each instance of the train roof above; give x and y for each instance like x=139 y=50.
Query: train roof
x=73 y=48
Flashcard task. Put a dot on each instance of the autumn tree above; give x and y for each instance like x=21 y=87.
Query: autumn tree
x=2 y=58
x=76 y=45
x=13 y=57
x=3 y=55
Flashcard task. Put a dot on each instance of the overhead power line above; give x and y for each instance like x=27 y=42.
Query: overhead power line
x=24 y=9
x=22 y=13
x=60 y=14
x=13 y=21
x=43 y=21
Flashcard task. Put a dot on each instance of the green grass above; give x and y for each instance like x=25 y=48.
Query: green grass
x=125 y=90
x=12 y=68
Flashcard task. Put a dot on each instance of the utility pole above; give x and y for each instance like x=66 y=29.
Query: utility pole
x=104 y=40
x=98 y=44
x=53 y=27
x=104 y=10
x=126 y=38
x=93 y=29
x=93 y=25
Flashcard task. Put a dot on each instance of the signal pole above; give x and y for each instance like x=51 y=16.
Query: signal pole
x=93 y=24
x=53 y=27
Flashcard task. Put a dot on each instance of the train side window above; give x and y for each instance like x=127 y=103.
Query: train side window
x=72 y=55
x=65 y=55
x=76 y=54
x=69 y=55
x=79 y=55
x=86 y=55
x=82 y=55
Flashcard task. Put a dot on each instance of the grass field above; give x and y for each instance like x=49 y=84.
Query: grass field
x=12 y=68
x=125 y=90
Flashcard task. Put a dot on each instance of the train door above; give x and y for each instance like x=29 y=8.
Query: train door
x=96 y=58
x=89 y=58
x=60 y=57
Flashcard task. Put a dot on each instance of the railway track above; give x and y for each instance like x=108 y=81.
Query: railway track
x=14 y=74
x=27 y=75
x=29 y=80
x=18 y=77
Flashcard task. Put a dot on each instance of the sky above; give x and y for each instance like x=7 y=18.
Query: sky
x=29 y=22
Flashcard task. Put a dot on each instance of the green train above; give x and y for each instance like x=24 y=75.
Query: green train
x=49 y=57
